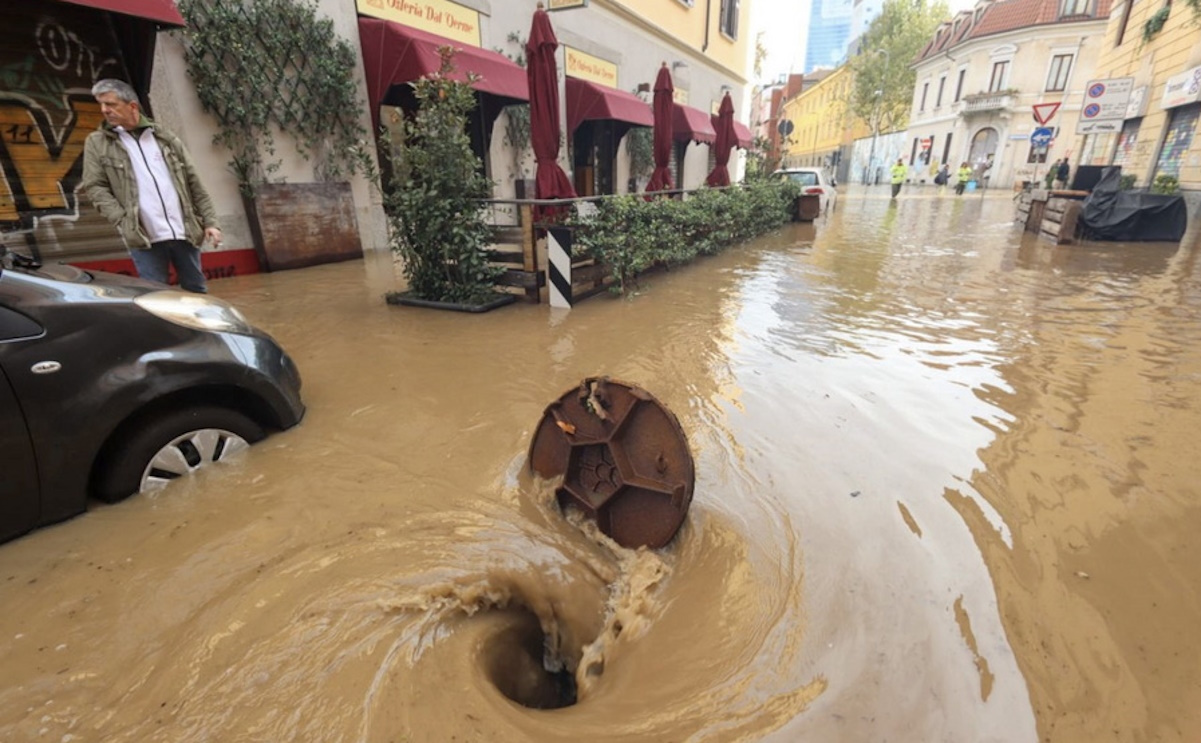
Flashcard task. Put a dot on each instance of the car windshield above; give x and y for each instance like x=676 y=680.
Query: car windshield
x=804 y=177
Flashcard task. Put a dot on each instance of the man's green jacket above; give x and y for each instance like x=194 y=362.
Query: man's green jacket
x=109 y=182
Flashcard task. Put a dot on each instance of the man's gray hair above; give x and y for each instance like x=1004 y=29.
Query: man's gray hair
x=123 y=89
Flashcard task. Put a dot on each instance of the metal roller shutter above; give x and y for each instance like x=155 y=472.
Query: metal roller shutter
x=50 y=54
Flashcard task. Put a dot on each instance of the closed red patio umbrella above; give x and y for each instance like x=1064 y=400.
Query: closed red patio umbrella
x=724 y=124
x=662 y=142
x=550 y=182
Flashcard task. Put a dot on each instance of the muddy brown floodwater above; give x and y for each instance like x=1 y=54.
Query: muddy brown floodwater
x=947 y=490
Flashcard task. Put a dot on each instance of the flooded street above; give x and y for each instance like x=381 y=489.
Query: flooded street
x=946 y=491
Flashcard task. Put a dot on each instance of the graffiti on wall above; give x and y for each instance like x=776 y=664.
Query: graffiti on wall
x=47 y=66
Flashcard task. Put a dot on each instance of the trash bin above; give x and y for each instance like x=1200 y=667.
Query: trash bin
x=808 y=207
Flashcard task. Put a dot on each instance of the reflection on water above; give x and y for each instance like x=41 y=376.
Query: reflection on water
x=945 y=491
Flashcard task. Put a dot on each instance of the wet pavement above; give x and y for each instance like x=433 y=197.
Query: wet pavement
x=946 y=490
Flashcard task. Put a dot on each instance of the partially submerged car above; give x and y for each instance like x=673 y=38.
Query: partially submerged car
x=813 y=182
x=111 y=385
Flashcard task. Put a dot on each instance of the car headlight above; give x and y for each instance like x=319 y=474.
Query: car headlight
x=197 y=311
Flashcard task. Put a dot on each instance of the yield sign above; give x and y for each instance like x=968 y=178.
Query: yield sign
x=1044 y=111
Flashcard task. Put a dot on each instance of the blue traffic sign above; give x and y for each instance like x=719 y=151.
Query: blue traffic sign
x=1042 y=136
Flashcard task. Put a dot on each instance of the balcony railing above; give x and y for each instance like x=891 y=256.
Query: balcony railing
x=987 y=103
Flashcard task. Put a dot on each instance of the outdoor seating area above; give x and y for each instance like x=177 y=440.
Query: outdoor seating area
x=1106 y=212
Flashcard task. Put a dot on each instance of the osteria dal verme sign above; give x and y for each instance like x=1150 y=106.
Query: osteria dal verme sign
x=587 y=67
x=439 y=17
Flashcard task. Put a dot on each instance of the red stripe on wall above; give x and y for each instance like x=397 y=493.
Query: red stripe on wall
x=221 y=264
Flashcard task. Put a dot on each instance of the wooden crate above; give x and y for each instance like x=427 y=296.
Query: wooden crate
x=1031 y=205
x=1059 y=220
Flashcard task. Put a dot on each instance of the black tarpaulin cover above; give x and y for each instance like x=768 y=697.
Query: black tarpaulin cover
x=1113 y=214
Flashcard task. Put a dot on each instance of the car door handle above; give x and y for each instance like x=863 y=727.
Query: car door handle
x=45 y=367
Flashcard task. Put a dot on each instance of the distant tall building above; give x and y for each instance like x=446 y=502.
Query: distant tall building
x=829 y=32
x=862 y=15
x=864 y=12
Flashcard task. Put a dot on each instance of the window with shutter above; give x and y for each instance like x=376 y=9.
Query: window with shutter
x=729 y=18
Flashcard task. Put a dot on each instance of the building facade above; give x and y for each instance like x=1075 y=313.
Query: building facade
x=823 y=131
x=769 y=101
x=67 y=47
x=705 y=45
x=610 y=50
x=1157 y=134
x=981 y=77
x=829 y=33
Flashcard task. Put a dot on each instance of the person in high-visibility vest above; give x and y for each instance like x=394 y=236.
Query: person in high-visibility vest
x=964 y=175
x=899 y=171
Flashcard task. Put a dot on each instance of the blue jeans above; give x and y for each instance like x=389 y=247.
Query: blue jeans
x=152 y=264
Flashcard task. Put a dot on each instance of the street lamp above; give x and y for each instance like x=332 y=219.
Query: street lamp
x=871 y=158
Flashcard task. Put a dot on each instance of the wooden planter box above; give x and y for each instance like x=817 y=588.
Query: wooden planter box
x=808 y=207
x=303 y=224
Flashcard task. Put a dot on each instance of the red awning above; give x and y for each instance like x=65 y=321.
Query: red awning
x=160 y=11
x=591 y=102
x=395 y=54
x=744 y=135
x=690 y=123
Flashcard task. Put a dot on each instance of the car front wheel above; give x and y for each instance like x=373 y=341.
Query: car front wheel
x=168 y=447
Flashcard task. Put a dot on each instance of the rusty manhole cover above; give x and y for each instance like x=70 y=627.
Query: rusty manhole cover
x=623 y=457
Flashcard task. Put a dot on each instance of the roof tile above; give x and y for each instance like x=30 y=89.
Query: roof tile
x=1001 y=16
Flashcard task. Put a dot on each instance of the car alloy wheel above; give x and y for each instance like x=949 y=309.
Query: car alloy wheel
x=164 y=447
x=187 y=453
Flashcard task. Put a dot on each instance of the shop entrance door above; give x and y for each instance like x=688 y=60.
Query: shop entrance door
x=594 y=155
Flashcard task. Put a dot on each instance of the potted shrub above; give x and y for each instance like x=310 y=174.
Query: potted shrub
x=1165 y=184
x=435 y=215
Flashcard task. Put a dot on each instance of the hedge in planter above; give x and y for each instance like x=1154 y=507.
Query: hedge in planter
x=433 y=203
x=630 y=235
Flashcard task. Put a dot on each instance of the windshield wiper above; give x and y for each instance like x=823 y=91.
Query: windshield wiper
x=9 y=259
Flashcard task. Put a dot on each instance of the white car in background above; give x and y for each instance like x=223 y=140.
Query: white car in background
x=813 y=181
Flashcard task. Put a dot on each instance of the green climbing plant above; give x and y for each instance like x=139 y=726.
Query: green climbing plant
x=640 y=142
x=264 y=68
x=517 y=116
x=1155 y=23
x=758 y=160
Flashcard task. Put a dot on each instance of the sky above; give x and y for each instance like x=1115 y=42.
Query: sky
x=784 y=24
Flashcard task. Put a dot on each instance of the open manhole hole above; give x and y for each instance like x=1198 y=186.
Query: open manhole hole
x=517 y=664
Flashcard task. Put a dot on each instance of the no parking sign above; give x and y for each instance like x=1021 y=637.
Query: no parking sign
x=1104 y=106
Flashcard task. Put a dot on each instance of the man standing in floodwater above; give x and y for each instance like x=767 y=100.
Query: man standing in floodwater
x=1062 y=173
x=141 y=178
x=899 y=171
